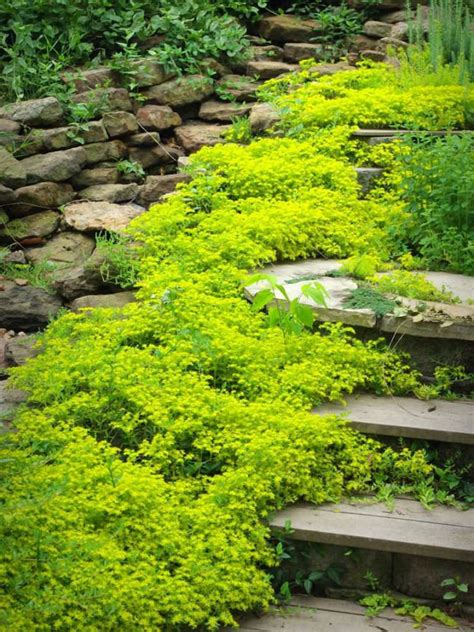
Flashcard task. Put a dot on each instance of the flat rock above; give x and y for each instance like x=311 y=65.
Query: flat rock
x=263 y=116
x=117 y=301
x=269 y=69
x=12 y=171
x=222 y=112
x=181 y=91
x=376 y=29
x=367 y=176
x=26 y=308
x=9 y=132
x=295 y=52
x=157 y=186
x=149 y=72
x=7 y=195
x=44 y=195
x=103 y=152
x=63 y=250
x=145 y=139
x=194 y=136
x=268 y=52
x=119 y=123
x=81 y=280
x=400 y=31
x=287 y=28
x=85 y=80
x=98 y=175
x=156 y=155
x=331 y=69
x=45 y=112
x=237 y=87
x=158 y=117
x=98 y=216
x=37 y=225
x=110 y=192
x=56 y=166
x=106 y=99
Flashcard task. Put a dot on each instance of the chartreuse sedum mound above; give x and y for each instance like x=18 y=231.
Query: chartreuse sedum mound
x=156 y=440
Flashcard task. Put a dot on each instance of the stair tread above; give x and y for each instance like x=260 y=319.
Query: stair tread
x=307 y=614
x=443 y=532
x=434 y=420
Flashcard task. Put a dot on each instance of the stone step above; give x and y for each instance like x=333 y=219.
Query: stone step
x=434 y=420
x=319 y=614
x=444 y=533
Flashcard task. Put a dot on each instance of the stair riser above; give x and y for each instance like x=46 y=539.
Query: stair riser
x=412 y=575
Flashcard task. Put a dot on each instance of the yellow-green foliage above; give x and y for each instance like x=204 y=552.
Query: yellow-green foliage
x=371 y=96
x=157 y=440
x=412 y=285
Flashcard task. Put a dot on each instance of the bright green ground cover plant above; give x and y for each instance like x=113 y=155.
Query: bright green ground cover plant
x=157 y=439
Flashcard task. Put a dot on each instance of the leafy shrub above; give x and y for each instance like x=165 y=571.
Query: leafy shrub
x=40 y=39
x=438 y=191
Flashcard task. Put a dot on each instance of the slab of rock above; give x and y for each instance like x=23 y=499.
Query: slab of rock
x=287 y=28
x=193 y=136
x=98 y=175
x=145 y=139
x=45 y=195
x=120 y=123
x=37 y=225
x=400 y=31
x=149 y=72
x=332 y=69
x=103 y=152
x=157 y=186
x=106 y=98
x=45 y=112
x=156 y=155
x=295 y=52
x=20 y=349
x=97 y=216
x=56 y=166
x=269 y=69
x=12 y=171
x=66 y=249
x=367 y=176
x=374 y=55
x=373 y=28
x=387 y=43
x=110 y=192
x=158 y=117
x=117 y=301
x=66 y=137
x=26 y=308
x=263 y=116
x=7 y=195
x=222 y=112
x=181 y=91
x=84 y=80
x=237 y=87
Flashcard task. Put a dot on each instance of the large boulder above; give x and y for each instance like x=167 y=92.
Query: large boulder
x=222 y=112
x=117 y=301
x=26 y=308
x=45 y=112
x=287 y=28
x=157 y=186
x=98 y=216
x=263 y=116
x=45 y=195
x=12 y=171
x=56 y=166
x=120 y=123
x=67 y=249
x=181 y=91
x=157 y=117
x=193 y=136
x=37 y=225
x=110 y=192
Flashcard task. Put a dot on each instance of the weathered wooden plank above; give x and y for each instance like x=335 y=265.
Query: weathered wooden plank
x=311 y=614
x=435 y=420
x=443 y=532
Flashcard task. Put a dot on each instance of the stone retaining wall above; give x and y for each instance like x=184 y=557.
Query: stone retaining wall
x=60 y=185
